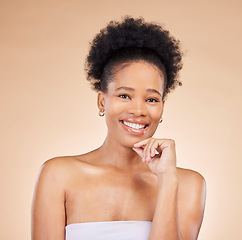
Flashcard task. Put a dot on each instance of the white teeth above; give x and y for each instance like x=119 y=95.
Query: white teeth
x=134 y=125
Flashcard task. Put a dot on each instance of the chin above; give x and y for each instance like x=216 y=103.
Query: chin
x=129 y=141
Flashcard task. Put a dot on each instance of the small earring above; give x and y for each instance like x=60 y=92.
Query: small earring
x=101 y=114
x=160 y=120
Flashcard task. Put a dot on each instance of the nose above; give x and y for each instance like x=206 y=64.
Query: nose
x=137 y=108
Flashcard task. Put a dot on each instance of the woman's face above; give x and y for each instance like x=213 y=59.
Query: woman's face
x=133 y=102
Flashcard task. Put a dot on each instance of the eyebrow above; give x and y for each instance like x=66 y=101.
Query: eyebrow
x=151 y=90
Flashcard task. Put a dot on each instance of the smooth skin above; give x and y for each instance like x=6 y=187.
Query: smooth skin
x=130 y=177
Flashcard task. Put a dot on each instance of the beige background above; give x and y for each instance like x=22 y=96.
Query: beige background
x=48 y=109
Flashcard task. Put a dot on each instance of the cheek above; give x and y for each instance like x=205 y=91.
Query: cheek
x=114 y=108
x=156 y=113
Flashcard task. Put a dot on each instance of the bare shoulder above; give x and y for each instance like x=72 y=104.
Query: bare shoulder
x=188 y=177
x=191 y=194
x=191 y=201
x=55 y=180
x=192 y=185
x=58 y=169
x=58 y=172
x=65 y=163
x=58 y=165
x=48 y=206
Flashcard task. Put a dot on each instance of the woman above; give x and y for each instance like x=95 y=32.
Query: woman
x=130 y=187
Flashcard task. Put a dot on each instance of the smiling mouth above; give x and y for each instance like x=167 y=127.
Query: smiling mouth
x=134 y=125
x=134 y=128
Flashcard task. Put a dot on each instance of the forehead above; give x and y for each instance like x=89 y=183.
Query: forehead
x=139 y=74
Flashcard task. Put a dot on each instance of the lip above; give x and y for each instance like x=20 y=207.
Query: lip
x=133 y=131
x=137 y=121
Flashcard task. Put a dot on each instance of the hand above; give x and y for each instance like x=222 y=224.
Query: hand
x=160 y=154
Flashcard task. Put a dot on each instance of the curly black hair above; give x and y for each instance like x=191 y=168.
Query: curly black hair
x=132 y=40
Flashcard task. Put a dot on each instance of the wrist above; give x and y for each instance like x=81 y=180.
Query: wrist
x=168 y=178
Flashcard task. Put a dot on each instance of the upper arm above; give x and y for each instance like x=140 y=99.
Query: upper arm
x=48 y=207
x=192 y=197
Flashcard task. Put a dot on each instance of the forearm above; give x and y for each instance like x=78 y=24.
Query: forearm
x=165 y=221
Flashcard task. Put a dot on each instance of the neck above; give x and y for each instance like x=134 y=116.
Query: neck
x=119 y=156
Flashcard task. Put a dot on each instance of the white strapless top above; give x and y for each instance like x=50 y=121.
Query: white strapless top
x=109 y=230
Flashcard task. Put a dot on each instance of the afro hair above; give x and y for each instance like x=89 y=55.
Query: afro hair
x=148 y=41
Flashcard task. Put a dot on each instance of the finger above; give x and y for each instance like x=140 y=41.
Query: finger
x=159 y=146
x=141 y=143
x=147 y=152
x=165 y=143
x=139 y=151
x=153 y=148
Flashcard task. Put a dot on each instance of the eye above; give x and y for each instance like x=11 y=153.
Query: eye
x=124 y=96
x=152 y=100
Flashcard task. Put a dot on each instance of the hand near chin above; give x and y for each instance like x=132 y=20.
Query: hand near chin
x=159 y=154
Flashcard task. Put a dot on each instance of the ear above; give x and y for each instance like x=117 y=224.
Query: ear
x=101 y=96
